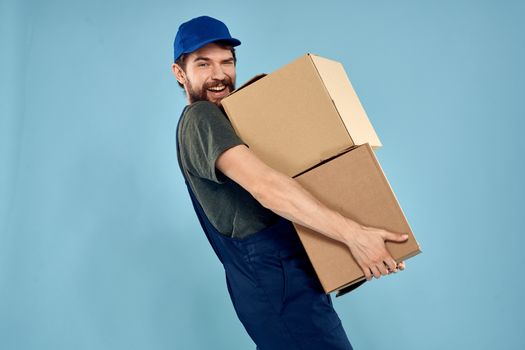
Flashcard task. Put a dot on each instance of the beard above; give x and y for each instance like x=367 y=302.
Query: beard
x=201 y=94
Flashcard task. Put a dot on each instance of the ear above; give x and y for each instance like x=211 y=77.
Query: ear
x=179 y=73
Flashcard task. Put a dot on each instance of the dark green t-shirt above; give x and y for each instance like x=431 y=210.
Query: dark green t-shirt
x=205 y=133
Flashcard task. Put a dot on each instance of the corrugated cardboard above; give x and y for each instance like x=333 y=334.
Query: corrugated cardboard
x=354 y=185
x=300 y=115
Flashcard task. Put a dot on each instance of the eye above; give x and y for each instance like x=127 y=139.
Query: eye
x=203 y=64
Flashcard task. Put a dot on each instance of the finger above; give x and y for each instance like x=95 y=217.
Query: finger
x=366 y=271
x=383 y=269
x=391 y=265
x=375 y=271
x=395 y=237
x=401 y=265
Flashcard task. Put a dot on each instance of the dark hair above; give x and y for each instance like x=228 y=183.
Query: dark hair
x=181 y=61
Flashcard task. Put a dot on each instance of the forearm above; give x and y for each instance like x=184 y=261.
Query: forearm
x=286 y=197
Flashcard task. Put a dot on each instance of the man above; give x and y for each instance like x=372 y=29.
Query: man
x=246 y=208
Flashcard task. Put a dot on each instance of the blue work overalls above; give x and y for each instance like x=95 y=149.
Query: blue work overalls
x=273 y=286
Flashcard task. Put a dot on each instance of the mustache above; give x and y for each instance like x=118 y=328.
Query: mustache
x=215 y=83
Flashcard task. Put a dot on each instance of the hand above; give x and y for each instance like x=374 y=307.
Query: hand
x=367 y=245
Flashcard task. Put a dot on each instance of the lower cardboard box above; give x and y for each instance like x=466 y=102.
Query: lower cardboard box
x=353 y=184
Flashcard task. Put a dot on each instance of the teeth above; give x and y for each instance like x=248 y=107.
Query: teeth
x=217 y=88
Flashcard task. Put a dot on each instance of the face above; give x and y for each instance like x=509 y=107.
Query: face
x=209 y=74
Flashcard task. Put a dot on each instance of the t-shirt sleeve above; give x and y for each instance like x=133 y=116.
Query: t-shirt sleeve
x=205 y=134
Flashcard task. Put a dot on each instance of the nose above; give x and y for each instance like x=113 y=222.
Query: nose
x=217 y=72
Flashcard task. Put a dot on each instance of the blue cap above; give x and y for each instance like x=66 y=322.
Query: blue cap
x=199 y=31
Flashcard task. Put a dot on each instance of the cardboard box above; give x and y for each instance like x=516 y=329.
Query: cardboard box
x=354 y=185
x=300 y=115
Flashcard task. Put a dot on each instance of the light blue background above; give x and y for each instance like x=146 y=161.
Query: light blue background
x=99 y=247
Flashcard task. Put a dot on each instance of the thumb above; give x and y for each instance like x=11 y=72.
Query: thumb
x=395 y=237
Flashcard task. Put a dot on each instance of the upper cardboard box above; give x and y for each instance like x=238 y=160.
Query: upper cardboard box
x=300 y=115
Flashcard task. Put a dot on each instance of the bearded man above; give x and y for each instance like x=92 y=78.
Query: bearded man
x=246 y=208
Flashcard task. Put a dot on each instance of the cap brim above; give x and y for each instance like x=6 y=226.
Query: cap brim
x=229 y=41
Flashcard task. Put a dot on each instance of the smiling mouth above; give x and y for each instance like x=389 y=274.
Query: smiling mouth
x=217 y=88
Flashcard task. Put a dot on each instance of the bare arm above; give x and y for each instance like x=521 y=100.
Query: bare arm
x=286 y=197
